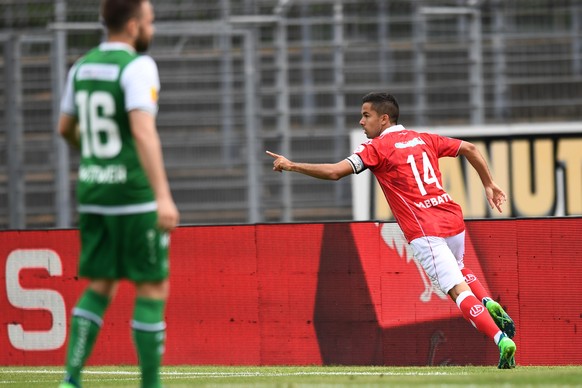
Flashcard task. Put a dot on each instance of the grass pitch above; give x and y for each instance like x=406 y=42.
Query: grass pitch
x=305 y=376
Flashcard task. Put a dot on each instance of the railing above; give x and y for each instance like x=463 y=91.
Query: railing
x=309 y=65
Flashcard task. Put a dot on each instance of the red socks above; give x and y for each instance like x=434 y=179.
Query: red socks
x=474 y=311
x=475 y=284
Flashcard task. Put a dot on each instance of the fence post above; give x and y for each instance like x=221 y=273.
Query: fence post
x=226 y=88
x=576 y=15
x=283 y=110
x=385 y=61
x=308 y=103
x=476 y=68
x=499 y=62
x=58 y=66
x=14 y=132
x=252 y=138
x=339 y=84
x=419 y=42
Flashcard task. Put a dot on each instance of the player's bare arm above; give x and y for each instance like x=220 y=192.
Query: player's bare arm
x=147 y=140
x=495 y=196
x=328 y=171
x=69 y=130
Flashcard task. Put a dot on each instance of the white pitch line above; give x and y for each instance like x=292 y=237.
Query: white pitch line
x=40 y=381
x=44 y=381
x=54 y=372
x=246 y=374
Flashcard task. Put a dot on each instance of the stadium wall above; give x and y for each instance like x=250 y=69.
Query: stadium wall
x=326 y=293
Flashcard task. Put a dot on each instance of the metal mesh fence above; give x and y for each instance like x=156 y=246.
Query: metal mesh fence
x=311 y=62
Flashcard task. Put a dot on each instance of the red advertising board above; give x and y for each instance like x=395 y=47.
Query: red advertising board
x=329 y=293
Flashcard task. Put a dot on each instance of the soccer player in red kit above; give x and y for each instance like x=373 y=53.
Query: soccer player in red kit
x=405 y=164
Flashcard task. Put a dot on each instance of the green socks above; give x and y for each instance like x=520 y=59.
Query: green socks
x=149 y=330
x=85 y=324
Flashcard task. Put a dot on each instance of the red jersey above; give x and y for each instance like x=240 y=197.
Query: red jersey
x=405 y=164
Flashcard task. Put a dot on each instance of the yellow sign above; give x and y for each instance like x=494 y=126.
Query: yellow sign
x=539 y=166
x=541 y=177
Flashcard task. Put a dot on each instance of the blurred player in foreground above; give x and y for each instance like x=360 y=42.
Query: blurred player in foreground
x=405 y=164
x=125 y=206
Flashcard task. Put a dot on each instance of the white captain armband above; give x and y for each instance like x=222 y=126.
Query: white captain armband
x=356 y=162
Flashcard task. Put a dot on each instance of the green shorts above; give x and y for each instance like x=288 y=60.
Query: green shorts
x=123 y=247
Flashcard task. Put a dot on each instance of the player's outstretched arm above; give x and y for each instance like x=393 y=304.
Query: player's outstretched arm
x=329 y=171
x=495 y=196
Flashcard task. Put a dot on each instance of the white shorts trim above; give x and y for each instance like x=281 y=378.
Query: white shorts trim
x=119 y=210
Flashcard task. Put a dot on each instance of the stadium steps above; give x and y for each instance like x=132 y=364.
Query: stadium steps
x=210 y=190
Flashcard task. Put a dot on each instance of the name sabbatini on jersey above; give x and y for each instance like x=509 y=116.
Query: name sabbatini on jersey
x=434 y=201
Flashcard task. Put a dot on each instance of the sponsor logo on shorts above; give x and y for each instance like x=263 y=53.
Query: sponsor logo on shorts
x=151 y=238
x=164 y=240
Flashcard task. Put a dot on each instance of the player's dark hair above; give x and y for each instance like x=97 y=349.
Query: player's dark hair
x=115 y=13
x=383 y=103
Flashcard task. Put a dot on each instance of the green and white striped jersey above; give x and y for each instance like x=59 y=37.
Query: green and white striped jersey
x=102 y=87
